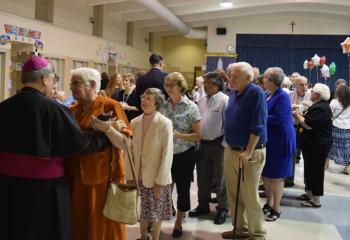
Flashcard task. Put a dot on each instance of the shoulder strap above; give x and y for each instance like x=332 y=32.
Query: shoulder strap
x=338 y=114
x=127 y=149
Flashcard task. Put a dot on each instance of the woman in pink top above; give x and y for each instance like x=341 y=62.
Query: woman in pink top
x=152 y=146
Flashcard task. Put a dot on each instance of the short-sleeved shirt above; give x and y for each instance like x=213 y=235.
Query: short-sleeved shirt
x=183 y=115
x=319 y=118
x=212 y=111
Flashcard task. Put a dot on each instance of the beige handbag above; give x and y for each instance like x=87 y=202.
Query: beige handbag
x=123 y=202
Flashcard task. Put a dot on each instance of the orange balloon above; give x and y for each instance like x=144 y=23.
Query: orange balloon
x=346 y=45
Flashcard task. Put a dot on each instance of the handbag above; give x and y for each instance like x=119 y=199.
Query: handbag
x=123 y=202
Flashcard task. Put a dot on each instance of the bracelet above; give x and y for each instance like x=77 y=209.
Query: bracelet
x=109 y=130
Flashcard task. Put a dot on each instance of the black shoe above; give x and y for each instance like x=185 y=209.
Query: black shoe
x=288 y=184
x=266 y=209
x=198 y=212
x=173 y=211
x=273 y=215
x=176 y=233
x=220 y=217
x=213 y=200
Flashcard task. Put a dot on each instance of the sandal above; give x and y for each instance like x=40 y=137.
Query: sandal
x=273 y=215
x=303 y=197
x=266 y=208
x=310 y=204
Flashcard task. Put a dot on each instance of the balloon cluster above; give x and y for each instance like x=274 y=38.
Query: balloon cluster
x=316 y=62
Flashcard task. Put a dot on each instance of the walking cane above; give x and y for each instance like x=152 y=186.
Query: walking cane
x=237 y=199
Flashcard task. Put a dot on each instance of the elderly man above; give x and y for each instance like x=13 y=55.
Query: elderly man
x=35 y=199
x=211 y=151
x=245 y=134
x=300 y=99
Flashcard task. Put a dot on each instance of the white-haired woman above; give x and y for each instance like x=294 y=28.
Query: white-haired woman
x=315 y=140
x=88 y=174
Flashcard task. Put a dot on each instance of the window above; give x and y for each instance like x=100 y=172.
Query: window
x=79 y=64
x=101 y=67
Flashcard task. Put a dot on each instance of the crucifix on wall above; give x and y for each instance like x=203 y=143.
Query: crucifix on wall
x=292 y=24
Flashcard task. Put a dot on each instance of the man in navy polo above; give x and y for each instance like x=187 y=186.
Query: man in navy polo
x=245 y=134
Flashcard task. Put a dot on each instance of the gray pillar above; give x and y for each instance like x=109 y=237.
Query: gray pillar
x=130 y=34
x=44 y=10
x=97 y=20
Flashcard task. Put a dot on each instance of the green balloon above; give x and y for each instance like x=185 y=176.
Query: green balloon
x=332 y=68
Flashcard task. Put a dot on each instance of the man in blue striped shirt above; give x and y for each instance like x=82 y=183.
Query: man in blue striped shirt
x=245 y=134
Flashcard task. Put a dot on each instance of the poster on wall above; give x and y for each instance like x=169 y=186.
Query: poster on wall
x=219 y=60
x=21 y=34
x=5 y=43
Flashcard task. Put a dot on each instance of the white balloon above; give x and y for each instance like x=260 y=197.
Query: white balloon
x=316 y=60
x=305 y=64
x=325 y=71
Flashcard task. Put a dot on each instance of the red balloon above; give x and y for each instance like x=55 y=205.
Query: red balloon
x=310 y=64
x=323 y=60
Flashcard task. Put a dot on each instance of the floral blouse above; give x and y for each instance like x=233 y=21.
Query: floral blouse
x=185 y=113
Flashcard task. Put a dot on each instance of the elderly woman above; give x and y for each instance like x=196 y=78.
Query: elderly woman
x=128 y=98
x=340 y=151
x=315 y=141
x=186 y=118
x=153 y=140
x=88 y=174
x=281 y=143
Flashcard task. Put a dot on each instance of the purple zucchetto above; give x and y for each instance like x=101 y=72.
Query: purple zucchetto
x=35 y=63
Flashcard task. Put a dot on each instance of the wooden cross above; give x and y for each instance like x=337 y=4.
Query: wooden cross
x=292 y=24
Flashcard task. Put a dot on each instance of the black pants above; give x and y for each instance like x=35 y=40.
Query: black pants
x=182 y=173
x=314 y=163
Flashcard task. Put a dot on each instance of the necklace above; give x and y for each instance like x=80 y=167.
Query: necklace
x=126 y=96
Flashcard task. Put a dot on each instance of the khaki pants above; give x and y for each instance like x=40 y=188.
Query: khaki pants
x=249 y=216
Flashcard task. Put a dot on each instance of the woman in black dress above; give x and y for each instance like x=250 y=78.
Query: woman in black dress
x=315 y=140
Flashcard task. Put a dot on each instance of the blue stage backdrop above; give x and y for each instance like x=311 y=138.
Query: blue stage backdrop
x=290 y=51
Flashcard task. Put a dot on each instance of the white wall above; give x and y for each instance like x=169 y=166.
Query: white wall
x=274 y=24
x=68 y=43
x=24 y=8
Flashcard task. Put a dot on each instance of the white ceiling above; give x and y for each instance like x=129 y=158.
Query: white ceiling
x=198 y=13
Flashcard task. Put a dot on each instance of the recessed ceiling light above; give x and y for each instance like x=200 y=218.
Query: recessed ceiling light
x=226 y=3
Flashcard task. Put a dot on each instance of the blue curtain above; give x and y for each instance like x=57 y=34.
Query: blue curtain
x=290 y=51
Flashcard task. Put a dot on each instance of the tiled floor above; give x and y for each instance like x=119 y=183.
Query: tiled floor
x=330 y=222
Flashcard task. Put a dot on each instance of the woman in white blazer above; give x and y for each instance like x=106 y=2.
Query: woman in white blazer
x=152 y=147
